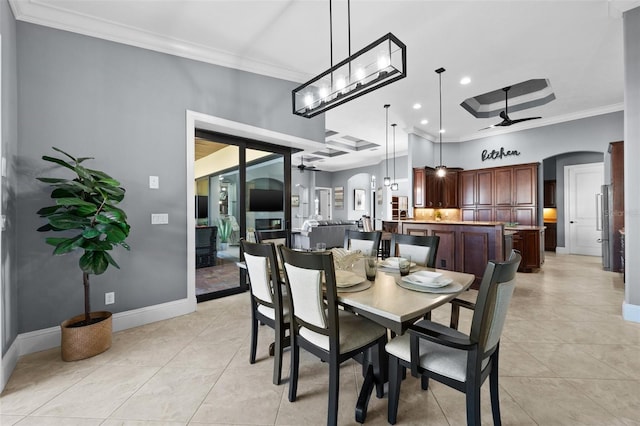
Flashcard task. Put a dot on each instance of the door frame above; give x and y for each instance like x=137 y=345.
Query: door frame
x=196 y=120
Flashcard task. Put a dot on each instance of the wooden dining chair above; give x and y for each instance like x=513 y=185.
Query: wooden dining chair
x=318 y=326
x=268 y=306
x=463 y=362
x=277 y=237
x=422 y=249
x=467 y=300
x=367 y=242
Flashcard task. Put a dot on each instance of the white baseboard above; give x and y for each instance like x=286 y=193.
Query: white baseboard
x=562 y=250
x=9 y=361
x=40 y=340
x=630 y=312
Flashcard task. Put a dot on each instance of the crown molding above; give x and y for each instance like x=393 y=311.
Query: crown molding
x=55 y=16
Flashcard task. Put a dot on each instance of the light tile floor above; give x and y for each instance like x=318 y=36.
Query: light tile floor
x=567 y=358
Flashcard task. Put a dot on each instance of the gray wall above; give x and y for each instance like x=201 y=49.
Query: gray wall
x=9 y=284
x=126 y=107
x=631 y=307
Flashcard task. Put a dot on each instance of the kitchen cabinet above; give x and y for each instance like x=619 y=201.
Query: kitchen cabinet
x=399 y=207
x=616 y=149
x=419 y=182
x=550 y=194
x=501 y=194
x=550 y=236
x=440 y=192
x=529 y=242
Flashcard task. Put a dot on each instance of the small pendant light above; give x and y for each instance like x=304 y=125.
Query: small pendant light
x=387 y=179
x=441 y=170
x=394 y=185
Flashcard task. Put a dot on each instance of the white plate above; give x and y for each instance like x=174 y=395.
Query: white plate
x=347 y=279
x=436 y=283
x=358 y=287
x=453 y=287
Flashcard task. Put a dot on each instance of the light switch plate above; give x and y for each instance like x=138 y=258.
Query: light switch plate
x=159 y=218
x=154 y=182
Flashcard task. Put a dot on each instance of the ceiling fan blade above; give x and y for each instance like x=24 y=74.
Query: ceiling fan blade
x=519 y=120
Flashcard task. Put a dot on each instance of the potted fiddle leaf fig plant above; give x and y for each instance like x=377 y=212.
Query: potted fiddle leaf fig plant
x=85 y=213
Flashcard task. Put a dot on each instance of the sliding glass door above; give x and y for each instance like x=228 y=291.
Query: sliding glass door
x=241 y=186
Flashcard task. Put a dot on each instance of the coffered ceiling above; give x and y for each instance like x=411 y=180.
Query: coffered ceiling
x=575 y=45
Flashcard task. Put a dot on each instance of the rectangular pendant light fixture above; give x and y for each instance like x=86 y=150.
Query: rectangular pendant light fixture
x=378 y=64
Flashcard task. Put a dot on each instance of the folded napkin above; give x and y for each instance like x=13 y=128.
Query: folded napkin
x=391 y=262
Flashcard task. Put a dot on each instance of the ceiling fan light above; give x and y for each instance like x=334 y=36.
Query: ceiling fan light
x=441 y=171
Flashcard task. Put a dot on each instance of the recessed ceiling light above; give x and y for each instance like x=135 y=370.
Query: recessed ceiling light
x=465 y=80
x=442 y=130
x=424 y=121
x=417 y=106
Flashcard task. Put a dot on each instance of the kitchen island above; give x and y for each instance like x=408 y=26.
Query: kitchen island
x=467 y=246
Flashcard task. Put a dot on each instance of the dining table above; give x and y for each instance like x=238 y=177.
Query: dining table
x=395 y=304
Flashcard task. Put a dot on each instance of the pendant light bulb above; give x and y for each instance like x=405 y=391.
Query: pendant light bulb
x=387 y=179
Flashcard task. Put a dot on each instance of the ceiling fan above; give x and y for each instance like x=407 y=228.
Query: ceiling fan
x=302 y=167
x=506 y=121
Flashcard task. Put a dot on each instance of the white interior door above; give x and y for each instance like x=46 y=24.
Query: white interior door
x=582 y=185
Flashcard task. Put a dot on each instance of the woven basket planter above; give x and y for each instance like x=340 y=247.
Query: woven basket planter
x=86 y=341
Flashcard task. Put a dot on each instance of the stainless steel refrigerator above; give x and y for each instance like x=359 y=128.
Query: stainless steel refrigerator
x=604 y=201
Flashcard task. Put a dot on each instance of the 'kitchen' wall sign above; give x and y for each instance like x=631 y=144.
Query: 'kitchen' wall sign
x=495 y=155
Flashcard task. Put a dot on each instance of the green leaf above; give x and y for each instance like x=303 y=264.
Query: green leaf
x=67 y=221
x=73 y=202
x=68 y=245
x=62 y=152
x=46 y=211
x=55 y=241
x=110 y=260
x=51 y=180
x=115 y=234
x=58 y=161
x=89 y=233
x=96 y=245
x=93 y=262
x=85 y=211
x=83 y=173
x=110 y=182
x=46 y=228
x=64 y=192
x=125 y=245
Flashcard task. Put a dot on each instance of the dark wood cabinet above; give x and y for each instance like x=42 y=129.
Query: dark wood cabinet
x=440 y=192
x=529 y=244
x=550 y=194
x=419 y=182
x=550 y=236
x=504 y=186
x=468 y=181
x=616 y=149
x=500 y=194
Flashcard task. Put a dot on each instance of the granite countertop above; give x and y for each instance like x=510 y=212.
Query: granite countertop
x=453 y=222
x=524 y=228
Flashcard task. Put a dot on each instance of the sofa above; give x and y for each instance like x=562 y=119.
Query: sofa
x=330 y=232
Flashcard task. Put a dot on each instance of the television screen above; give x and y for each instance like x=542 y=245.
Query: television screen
x=202 y=206
x=266 y=200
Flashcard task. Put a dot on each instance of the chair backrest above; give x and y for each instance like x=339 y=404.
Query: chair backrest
x=264 y=272
x=366 y=242
x=279 y=237
x=494 y=295
x=312 y=308
x=422 y=249
x=367 y=224
x=206 y=236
